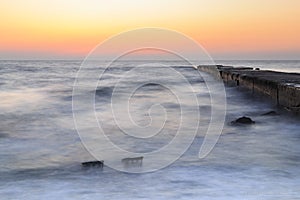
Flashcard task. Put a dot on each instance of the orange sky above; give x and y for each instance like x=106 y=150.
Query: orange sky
x=226 y=28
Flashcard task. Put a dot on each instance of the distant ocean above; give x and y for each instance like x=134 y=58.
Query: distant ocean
x=41 y=152
x=276 y=65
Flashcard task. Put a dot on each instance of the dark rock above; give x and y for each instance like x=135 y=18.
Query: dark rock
x=90 y=164
x=243 y=120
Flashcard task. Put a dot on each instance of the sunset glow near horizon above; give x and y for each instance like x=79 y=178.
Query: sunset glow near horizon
x=249 y=29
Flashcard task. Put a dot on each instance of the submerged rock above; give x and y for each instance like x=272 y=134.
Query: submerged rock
x=243 y=120
x=270 y=113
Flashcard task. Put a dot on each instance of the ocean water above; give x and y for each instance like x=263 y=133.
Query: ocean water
x=41 y=151
x=291 y=66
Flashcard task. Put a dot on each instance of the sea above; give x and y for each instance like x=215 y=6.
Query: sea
x=41 y=149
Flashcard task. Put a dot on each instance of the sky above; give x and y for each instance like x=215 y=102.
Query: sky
x=227 y=29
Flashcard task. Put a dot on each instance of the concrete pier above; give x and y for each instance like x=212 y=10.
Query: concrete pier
x=281 y=87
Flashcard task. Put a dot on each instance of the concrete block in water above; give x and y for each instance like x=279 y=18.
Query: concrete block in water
x=283 y=88
x=133 y=162
x=246 y=81
x=266 y=87
x=90 y=164
x=289 y=96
